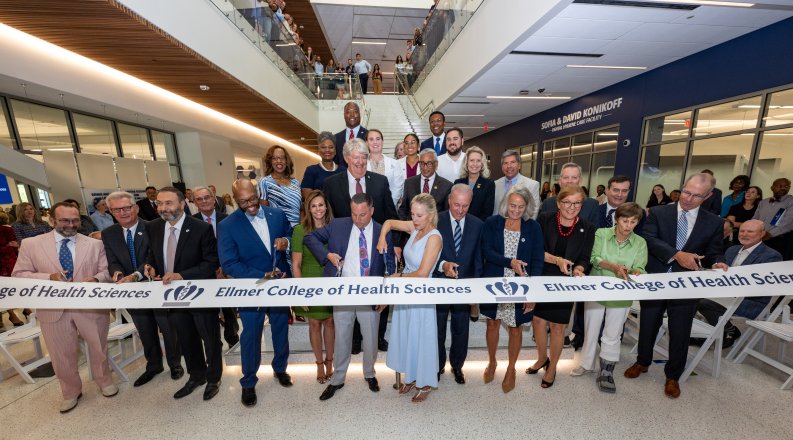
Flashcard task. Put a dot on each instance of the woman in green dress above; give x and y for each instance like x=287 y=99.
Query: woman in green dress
x=320 y=318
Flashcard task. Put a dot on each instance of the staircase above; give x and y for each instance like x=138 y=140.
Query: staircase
x=395 y=117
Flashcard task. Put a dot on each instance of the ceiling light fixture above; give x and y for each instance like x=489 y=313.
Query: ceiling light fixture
x=465 y=116
x=530 y=97
x=586 y=66
x=204 y=87
x=380 y=43
x=705 y=3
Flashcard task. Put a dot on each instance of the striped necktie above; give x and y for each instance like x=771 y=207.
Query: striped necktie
x=682 y=230
x=131 y=248
x=609 y=219
x=458 y=237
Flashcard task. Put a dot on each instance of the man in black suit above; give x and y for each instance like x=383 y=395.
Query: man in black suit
x=438 y=140
x=208 y=212
x=680 y=237
x=713 y=203
x=352 y=130
x=220 y=205
x=460 y=258
x=127 y=246
x=184 y=248
x=426 y=182
x=339 y=190
x=148 y=206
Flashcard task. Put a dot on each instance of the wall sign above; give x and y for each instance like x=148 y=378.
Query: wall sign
x=5 y=191
x=578 y=118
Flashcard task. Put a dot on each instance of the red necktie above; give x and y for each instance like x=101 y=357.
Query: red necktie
x=426 y=185
x=358 y=187
x=351 y=134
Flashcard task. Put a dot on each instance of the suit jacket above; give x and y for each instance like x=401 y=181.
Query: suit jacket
x=337 y=192
x=219 y=216
x=220 y=205
x=196 y=249
x=439 y=191
x=469 y=259
x=242 y=253
x=335 y=237
x=761 y=254
x=713 y=203
x=590 y=210
x=38 y=258
x=601 y=218
x=118 y=259
x=341 y=139
x=430 y=143
x=146 y=211
x=660 y=232
x=531 y=184
x=578 y=251
x=484 y=197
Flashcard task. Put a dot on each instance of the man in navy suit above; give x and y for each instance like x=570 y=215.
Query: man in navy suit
x=350 y=244
x=352 y=130
x=148 y=206
x=438 y=140
x=460 y=258
x=252 y=242
x=680 y=237
x=752 y=250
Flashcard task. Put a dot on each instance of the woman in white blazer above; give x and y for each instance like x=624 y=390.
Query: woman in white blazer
x=386 y=166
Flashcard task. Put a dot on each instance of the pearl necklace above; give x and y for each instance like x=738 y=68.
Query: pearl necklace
x=329 y=170
x=621 y=242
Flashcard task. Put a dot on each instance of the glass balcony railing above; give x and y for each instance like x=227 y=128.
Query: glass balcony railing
x=333 y=86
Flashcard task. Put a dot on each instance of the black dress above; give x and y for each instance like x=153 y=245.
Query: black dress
x=741 y=215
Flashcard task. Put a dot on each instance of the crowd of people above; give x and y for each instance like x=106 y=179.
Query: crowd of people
x=433 y=211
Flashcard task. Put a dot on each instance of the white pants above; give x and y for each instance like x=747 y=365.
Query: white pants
x=594 y=314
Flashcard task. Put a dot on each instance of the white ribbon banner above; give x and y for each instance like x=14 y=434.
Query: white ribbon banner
x=756 y=280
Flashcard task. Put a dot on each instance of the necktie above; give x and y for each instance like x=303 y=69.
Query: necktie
x=154 y=205
x=131 y=248
x=363 y=254
x=682 y=230
x=438 y=145
x=358 y=187
x=170 y=251
x=209 y=220
x=509 y=184
x=426 y=185
x=65 y=257
x=352 y=135
x=609 y=220
x=458 y=237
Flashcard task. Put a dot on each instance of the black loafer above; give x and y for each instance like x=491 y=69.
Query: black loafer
x=330 y=391
x=373 y=385
x=188 y=388
x=382 y=345
x=146 y=377
x=177 y=372
x=211 y=390
x=284 y=379
x=459 y=377
x=249 y=396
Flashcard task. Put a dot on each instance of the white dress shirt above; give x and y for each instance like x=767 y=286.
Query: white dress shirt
x=351 y=183
x=352 y=259
x=430 y=183
x=70 y=245
x=449 y=168
x=740 y=257
x=260 y=226
x=178 y=227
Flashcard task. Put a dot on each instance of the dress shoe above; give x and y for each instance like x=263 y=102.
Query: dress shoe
x=356 y=348
x=249 y=396
x=177 y=373
x=672 y=389
x=373 y=385
x=442 y=370
x=146 y=377
x=635 y=370
x=577 y=343
x=459 y=377
x=211 y=390
x=730 y=337
x=382 y=345
x=330 y=391
x=69 y=404
x=490 y=373
x=110 y=390
x=567 y=343
x=284 y=379
x=188 y=388
x=532 y=370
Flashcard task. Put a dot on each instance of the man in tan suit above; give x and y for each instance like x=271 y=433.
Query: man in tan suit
x=65 y=255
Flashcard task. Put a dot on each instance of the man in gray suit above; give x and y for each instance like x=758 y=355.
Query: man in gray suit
x=752 y=250
x=428 y=181
x=510 y=166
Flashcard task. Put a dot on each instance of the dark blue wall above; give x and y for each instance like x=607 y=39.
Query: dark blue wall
x=760 y=60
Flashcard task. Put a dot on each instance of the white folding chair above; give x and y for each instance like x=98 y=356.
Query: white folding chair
x=747 y=334
x=631 y=328
x=770 y=327
x=28 y=332
x=117 y=332
x=713 y=335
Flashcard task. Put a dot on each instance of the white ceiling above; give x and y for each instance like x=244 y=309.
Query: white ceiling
x=625 y=36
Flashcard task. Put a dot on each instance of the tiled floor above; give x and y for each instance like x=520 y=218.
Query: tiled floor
x=744 y=402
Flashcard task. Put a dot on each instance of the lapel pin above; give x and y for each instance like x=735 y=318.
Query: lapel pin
x=581 y=230
x=187 y=230
x=140 y=233
x=478 y=185
x=522 y=240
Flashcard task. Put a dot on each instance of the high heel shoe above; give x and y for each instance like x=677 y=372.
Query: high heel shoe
x=321 y=376
x=509 y=381
x=546 y=384
x=544 y=365
x=489 y=374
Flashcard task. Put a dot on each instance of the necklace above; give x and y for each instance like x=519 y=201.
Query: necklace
x=330 y=170
x=559 y=225
x=621 y=242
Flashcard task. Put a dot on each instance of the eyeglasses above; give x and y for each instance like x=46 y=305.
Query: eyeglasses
x=67 y=221
x=201 y=199
x=278 y=159
x=428 y=163
x=568 y=204
x=247 y=202
x=121 y=209
x=690 y=194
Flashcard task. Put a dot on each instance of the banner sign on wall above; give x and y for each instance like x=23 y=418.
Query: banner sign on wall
x=755 y=280
x=582 y=117
x=5 y=191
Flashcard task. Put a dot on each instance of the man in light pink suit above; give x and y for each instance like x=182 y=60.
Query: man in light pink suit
x=65 y=255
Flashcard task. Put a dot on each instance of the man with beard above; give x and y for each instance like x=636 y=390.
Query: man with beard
x=450 y=164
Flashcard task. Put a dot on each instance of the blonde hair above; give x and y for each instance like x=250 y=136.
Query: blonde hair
x=485 y=170
x=21 y=214
x=428 y=202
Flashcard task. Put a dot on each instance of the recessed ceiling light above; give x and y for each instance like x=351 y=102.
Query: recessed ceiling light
x=530 y=97
x=381 y=43
x=586 y=66
x=203 y=87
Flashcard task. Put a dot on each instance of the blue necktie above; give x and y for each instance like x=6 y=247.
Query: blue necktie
x=65 y=257
x=438 y=145
x=458 y=237
x=131 y=248
x=609 y=220
x=682 y=230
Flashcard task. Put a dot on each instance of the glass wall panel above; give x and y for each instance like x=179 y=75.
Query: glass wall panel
x=582 y=143
x=41 y=128
x=5 y=132
x=164 y=146
x=606 y=140
x=528 y=157
x=546 y=171
x=775 y=158
x=730 y=116
x=561 y=148
x=601 y=171
x=583 y=162
x=176 y=175
x=780 y=109
x=134 y=142
x=660 y=164
x=667 y=128
x=726 y=156
x=94 y=135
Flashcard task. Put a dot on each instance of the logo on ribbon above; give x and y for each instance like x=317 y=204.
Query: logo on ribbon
x=181 y=296
x=508 y=291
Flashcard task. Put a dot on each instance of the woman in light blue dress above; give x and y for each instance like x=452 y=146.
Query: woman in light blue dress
x=413 y=344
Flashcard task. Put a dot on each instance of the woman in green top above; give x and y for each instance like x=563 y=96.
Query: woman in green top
x=305 y=265
x=617 y=252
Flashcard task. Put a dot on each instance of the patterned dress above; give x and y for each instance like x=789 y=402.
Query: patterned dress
x=286 y=198
x=506 y=311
